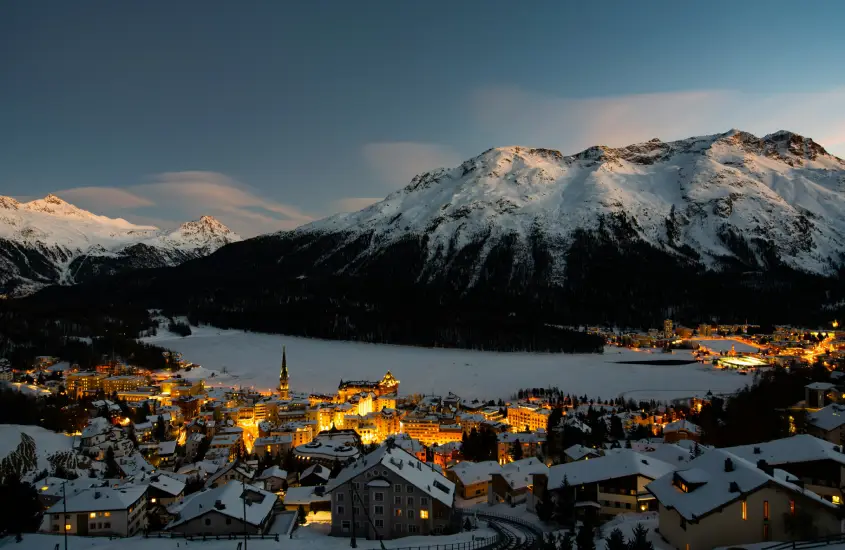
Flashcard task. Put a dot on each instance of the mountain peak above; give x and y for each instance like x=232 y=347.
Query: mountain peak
x=9 y=203
x=53 y=199
x=205 y=224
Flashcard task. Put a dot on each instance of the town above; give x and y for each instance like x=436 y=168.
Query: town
x=164 y=454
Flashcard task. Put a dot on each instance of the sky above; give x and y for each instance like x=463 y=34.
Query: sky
x=268 y=115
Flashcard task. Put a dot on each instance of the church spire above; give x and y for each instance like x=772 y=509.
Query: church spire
x=283 y=376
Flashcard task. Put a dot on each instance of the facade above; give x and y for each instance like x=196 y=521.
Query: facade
x=513 y=483
x=472 y=478
x=721 y=500
x=329 y=446
x=274 y=479
x=118 y=384
x=388 y=385
x=80 y=384
x=400 y=494
x=531 y=444
x=680 y=430
x=828 y=423
x=100 y=512
x=527 y=417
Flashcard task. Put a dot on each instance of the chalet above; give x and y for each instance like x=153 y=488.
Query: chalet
x=275 y=479
x=311 y=499
x=101 y=512
x=681 y=430
x=828 y=423
x=230 y=509
x=722 y=500
x=471 y=479
x=316 y=474
x=580 y=452
x=611 y=484
x=513 y=484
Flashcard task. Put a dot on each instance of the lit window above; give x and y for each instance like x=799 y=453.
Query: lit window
x=67 y=527
x=765 y=509
x=423 y=514
x=744 y=509
x=92 y=515
x=836 y=499
x=108 y=514
x=153 y=500
x=792 y=507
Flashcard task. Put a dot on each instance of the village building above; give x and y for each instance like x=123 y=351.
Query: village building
x=528 y=417
x=275 y=479
x=531 y=444
x=100 y=512
x=471 y=479
x=229 y=509
x=388 y=385
x=722 y=500
x=401 y=495
x=577 y=452
x=328 y=446
x=316 y=474
x=680 y=430
x=513 y=483
x=828 y=423
x=311 y=499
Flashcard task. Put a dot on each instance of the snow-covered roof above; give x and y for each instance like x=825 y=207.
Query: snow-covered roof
x=166 y=448
x=228 y=500
x=96 y=426
x=622 y=463
x=413 y=446
x=317 y=470
x=475 y=472
x=670 y=453
x=710 y=487
x=134 y=465
x=510 y=437
x=790 y=450
x=101 y=498
x=167 y=484
x=824 y=386
x=518 y=474
x=828 y=418
x=577 y=452
x=681 y=425
x=304 y=495
x=52 y=486
x=404 y=465
x=273 y=471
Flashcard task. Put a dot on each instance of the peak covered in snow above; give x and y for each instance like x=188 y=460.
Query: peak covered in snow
x=703 y=194
x=69 y=241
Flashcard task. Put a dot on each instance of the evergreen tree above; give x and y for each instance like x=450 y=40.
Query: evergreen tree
x=549 y=542
x=112 y=469
x=616 y=541
x=585 y=539
x=516 y=451
x=565 y=504
x=544 y=509
x=300 y=515
x=565 y=541
x=639 y=540
x=160 y=429
x=617 y=430
x=19 y=507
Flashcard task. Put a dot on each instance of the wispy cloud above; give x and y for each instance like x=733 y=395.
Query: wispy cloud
x=572 y=124
x=199 y=192
x=353 y=204
x=396 y=163
x=103 y=198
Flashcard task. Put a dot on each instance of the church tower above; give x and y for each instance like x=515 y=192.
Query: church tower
x=283 y=377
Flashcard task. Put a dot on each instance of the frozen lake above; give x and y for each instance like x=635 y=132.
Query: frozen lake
x=253 y=359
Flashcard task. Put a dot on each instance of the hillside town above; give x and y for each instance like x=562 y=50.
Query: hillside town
x=166 y=454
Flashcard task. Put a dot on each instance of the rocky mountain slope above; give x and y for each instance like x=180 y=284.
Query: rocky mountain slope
x=50 y=241
x=722 y=200
x=497 y=252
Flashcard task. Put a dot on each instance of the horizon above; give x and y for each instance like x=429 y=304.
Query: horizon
x=268 y=117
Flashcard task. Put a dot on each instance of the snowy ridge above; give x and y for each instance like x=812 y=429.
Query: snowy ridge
x=49 y=241
x=694 y=198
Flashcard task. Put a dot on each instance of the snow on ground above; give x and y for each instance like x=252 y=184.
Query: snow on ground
x=253 y=359
x=305 y=538
x=47 y=443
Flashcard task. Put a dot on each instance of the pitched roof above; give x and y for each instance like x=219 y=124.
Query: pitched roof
x=518 y=474
x=789 y=450
x=228 y=500
x=577 y=452
x=403 y=464
x=622 y=463
x=305 y=495
x=317 y=470
x=681 y=425
x=711 y=487
x=273 y=471
x=101 y=498
x=828 y=418
x=474 y=472
x=167 y=484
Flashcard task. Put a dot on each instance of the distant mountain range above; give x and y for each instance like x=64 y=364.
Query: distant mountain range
x=49 y=241
x=499 y=250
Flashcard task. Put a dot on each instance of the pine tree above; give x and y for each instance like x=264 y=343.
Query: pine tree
x=112 y=469
x=565 y=541
x=301 y=517
x=639 y=540
x=565 y=505
x=585 y=539
x=549 y=542
x=616 y=541
x=544 y=509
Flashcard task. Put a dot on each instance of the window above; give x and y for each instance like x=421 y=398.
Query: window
x=836 y=499
x=228 y=521
x=208 y=521
x=413 y=528
x=153 y=500
x=409 y=488
x=357 y=525
x=340 y=497
x=398 y=527
x=345 y=525
x=423 y=514
x=744 y=509
x=92 y=515
x=379 y=510
x=410 y=514
x=378 y=497
x=356 y=511
x=356 y=485
x=410 y=501
x=379 y=523
x=766 y=509
x=92 y=526
x=398 y=513
x=341 y=510
x=791 y=507
x=423 y=501
x=67 y=527
x=397 y=488
x=107 y=514
x=397 y=500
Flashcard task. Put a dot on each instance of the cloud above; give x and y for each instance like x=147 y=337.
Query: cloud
x=103 y=198
x=396 y=163
x=198 y=193
x=573 y=124
x=353 y=204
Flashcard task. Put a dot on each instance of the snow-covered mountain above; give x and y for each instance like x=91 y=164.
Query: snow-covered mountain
x=714 y=200
x=49 y=241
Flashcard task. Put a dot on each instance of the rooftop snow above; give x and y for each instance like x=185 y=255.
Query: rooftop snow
x=228 y=500
x=101 y=498
x=622 y=463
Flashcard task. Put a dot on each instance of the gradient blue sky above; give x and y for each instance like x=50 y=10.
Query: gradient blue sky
x=269 y=114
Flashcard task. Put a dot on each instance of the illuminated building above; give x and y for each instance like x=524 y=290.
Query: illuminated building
x=526 y=417
x=387 y=385
x=84 y=383
x=122 y=384
x=284 y=382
